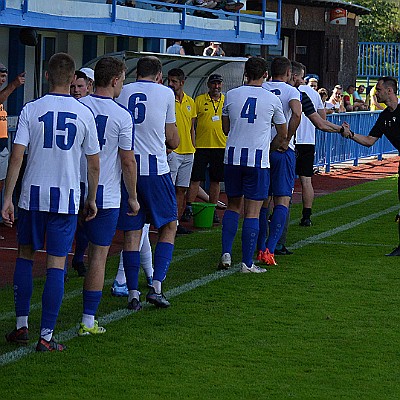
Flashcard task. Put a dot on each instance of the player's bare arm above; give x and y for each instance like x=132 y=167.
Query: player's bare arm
x=172 y=137
x=128 y=164
x=93 y=165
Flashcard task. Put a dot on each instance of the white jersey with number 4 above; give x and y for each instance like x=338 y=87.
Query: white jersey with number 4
x=251 y=111
x=152 y=106
x=114 y=131
x=56 y=129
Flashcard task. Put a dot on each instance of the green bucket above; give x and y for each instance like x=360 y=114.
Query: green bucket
x=203 y=214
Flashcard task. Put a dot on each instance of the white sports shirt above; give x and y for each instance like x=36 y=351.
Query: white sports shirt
x=251 y=111
x=57 y=128
x=286 y=93
x=115 y=131
x=152 y=106
x=306 y=131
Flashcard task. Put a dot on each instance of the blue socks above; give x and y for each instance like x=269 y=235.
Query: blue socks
x=250 y=231
x=263 y=227
x=230 y=223
x=53 y=293
x=131 y=261
x=91 y=301
x=162 y=259
x=23 y=286
x=276 y=226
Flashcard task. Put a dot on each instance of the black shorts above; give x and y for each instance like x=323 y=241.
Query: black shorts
x=305 y=159
x=214 y=158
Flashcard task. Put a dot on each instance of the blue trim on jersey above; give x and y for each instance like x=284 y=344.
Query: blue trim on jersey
x=153 y=164
x=100 y=196
x=71 y=202
x=54 y=199
x=34 y=198
x=231 y=151
x=244 y=156
x=59 y=94
x=258 y=158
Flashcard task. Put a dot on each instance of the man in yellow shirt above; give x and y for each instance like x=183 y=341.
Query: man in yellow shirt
x=181 y=159
x=16 y=83
x=210 y=143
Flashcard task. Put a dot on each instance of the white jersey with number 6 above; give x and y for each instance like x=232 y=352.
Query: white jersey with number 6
x=56 y=129
x=152 y=106
x=251 y=111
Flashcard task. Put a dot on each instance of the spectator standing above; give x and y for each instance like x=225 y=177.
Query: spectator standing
x=181 y=159
x=248 y=114
x=115 y=132
x=176 y=48
x=4 y=94
x=375 y=103
x=153 y=108
x=214 y=50
x=57 y=128
x=210 y=143
x=336 y=99
x=388 y=124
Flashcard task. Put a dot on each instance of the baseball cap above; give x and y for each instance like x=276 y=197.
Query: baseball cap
x=3 y=68
x=215 y=78
x=88 y=72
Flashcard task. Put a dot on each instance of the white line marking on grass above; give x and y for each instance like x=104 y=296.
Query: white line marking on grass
x=353 y=244
x=342 y=228
x=15 y=355
x=77 y=292
x=121 y=313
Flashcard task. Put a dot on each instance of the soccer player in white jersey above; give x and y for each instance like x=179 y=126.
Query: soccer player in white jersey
x=57 y=128
x=283 y=161
x=153 y=108
x=247 y=116
x=115 y=133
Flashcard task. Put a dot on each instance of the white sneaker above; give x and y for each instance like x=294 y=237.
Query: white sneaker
x=225 y=262
x=256 y=270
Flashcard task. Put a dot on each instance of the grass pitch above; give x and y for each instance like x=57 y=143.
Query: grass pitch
x=323 y=324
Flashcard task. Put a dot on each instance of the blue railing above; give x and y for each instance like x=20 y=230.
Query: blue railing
x=331 y=148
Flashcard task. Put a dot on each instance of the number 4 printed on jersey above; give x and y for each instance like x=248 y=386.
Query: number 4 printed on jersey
x=249 y=110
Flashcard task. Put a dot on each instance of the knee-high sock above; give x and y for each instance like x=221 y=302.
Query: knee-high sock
x=162 y=259
x=120 y=277
x=23 y=288
x=249 y=239
x=276 y=226
x=91 y=302
x=131 y=267
x=81 y=243
x=230 y=223
x=263 y=227
x=146 y=258
x=282 y=239
x=53 y=293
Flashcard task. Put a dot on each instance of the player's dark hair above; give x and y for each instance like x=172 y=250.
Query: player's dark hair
x=148 y=66
x=389 y=81
x=80 y=74
x=177 y=73
x=279 y=66
x=255 y=68
x=106 y=69
x=61 y=69
x=297 y=68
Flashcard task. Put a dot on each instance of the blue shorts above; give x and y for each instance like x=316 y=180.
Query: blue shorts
x=37 y=227
x=101 y=230
x=157 y=199
x=283 y=167
x=250 y=182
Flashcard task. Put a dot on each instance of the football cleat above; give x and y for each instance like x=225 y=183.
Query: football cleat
x=135 y=305
x=85 y=331
x=225 y=262
x=52 y=345
x=119 y=290
x=18 y=336
x=158 y=299
x=253 y=269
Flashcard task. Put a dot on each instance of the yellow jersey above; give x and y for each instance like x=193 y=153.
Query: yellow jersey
x=3 y=123
x=209 y=133
x=185 y=111
x=373 y=93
